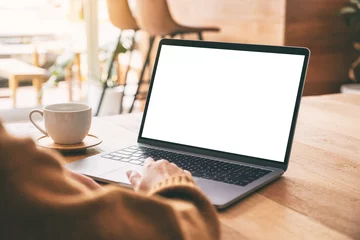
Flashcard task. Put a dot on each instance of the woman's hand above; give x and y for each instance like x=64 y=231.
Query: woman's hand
x=153 y=173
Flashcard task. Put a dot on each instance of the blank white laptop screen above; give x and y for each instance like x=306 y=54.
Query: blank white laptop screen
x=239 y=102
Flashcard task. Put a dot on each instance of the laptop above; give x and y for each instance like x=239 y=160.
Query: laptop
x=224 y=111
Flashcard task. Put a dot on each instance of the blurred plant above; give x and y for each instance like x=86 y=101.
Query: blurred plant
x=109 y=73
x=58 y=70
x=108 y=54
x=350 y=13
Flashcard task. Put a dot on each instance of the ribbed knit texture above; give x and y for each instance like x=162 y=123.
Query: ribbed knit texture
x=40 y=200
x=172 y=183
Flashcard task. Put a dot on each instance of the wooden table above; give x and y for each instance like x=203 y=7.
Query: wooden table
x=17 y=71
x=317 y=198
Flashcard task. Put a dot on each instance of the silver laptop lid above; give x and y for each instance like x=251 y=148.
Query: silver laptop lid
x=229 y=100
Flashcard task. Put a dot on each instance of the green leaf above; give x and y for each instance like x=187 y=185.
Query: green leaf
x=120 y=48
x=353 y=21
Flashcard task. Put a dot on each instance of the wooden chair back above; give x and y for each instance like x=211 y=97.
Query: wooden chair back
x=120 y=15
x=154 y=17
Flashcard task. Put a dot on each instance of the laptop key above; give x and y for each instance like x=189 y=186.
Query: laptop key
x=107 y=156
x=123 y=152
x=125 y=159
x=122 y=155
x=226 y=172
x=117 y=154
x=129 y=150
x=136 y=162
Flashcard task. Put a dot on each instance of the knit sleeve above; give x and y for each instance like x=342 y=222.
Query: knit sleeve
x=38 y=200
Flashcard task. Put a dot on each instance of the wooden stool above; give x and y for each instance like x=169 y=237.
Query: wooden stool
x=155 y=18
x=68 y=75
x=17 y=71
x=121 y=17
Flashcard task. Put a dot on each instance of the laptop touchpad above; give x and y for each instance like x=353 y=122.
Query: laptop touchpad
x=94 y=166
x=119 y=175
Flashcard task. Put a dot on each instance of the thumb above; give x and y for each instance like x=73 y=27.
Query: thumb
x=134 y=178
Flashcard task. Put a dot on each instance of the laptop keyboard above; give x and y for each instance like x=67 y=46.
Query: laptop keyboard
x=199 y=167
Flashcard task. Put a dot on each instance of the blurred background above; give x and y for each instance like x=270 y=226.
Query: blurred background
x=102 y=51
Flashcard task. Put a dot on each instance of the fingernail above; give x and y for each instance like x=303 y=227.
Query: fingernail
x=128 y=173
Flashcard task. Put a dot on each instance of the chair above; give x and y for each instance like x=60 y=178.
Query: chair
x=68 y=75
x=155 y=18
x=121 y=17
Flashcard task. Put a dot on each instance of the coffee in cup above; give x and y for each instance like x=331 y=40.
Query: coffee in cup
x=65 y=123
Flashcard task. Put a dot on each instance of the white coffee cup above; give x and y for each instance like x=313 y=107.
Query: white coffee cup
x=65 y=123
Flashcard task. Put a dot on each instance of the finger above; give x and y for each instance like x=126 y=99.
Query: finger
x=187 y=173
x=162 y=161
x=148 y=161
x=134 y=178
x=173 y=164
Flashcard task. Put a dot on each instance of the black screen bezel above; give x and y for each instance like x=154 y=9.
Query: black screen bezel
x=230 y=46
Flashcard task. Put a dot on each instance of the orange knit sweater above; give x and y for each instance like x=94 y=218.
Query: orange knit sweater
x=38 y=200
